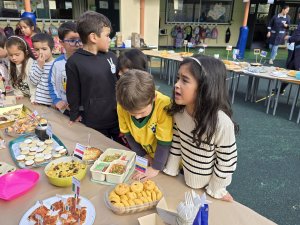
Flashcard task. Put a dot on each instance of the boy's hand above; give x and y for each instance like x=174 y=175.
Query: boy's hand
x=61 y=105
x=227 y=198
x=268 y=34
x=41 y=61
x=145 y=176
x=79 y=118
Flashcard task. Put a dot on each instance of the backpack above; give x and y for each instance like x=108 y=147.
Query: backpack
x=208 y=32
x=214 y=33
x=188 y=31
x=202 y=33
x=227 y=35
x=174 y=31
x=9 y=31
x=53 y=30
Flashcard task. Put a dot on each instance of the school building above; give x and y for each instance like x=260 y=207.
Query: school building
x=162 y=21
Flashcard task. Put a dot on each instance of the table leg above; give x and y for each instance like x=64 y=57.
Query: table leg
x=270 y=96
x=275 y=88
x=277 y=98
x=252 y=89
x=248 y=87
x=268 y=90
x=298 y=119
x=291 y=86
x=294 y=102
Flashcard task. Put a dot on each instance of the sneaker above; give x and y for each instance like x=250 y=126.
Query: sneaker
x=271 y=62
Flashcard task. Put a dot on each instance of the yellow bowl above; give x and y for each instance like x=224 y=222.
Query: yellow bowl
x=66 y=181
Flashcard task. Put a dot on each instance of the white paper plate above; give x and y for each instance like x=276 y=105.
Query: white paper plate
x=90 y=214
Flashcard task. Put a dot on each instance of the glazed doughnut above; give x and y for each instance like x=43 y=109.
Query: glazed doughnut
x=136 y=186
x=122 y=189
x=149 y=185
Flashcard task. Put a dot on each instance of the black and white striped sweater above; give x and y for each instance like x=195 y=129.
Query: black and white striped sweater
x=209 y=165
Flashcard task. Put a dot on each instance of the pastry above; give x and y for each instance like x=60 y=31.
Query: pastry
x=58 y=148
x=24 y=152
x=29 y=162
x=33 y=149
x=32 y=153
x=56 y=155
x=39 y=159
x=40 y=143
x=63 y=151
x=28 y=141
x=137 y=186
x=149 y=185
x=92 y=153
x=20 y=157
x=122 y=189
x=47 y=156
x=30 y=157
x=48 y=141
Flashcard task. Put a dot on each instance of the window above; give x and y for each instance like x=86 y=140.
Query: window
x=199 y=11
x=43 y=9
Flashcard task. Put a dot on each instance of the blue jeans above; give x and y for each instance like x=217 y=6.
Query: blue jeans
x=274 y=49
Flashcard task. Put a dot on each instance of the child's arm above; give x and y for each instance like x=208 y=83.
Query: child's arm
x=35 y=73
x=136 y=147
x=173 y=162
x=54 y=94
x=73 y=91
x=225 y=163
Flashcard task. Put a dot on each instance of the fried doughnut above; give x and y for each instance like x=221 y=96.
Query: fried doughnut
x=139 y=194
x=131 y=195
x=118 y=204
x=158 y=195
x=115 y=199
x=122 y=189
x=149 y=185
x=148 y=193
x=124 y=197
x=112 y=193
x=138 y=201
x=144 y=194
x=125 y=202
x=145 y=200
x=153 y=195
x=136 y=186
x=131 y=202
x=149 y=199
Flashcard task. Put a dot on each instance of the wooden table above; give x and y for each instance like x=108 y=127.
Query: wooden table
x=173 y=187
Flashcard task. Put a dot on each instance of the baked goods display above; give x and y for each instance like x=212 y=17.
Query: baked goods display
x=64 y=209
x=25 y=125
x=134 y=197
x=113 y=166
x=185 y=54
x=91 y=154
x=32 y=152
x=9 y=114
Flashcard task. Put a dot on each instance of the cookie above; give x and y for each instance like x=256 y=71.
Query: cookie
x=20 y=157
x=49 y=142
x=29 y=162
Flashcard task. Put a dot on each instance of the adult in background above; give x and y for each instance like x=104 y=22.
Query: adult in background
x=277 y=30
x=293 y=59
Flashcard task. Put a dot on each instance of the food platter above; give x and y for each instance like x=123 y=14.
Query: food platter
x=84 y=203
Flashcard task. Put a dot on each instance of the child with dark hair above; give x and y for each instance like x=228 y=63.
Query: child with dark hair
x=132 y=59
x=144 y=120
x=28 y=30
x=91 y=74
x=70 y=40
x=20 y=57
x=203 y=132
x=39 y=74
x=3 y=60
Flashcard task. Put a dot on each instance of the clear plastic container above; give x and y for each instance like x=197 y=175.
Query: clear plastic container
x=97 y=170
x=114 y=177
x=129 y=209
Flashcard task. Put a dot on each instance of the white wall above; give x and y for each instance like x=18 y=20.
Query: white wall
x=130 y=19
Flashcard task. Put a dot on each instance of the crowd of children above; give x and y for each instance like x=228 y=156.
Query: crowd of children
x=192 y=133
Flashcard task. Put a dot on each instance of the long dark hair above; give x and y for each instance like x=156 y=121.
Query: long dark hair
x=212 y=96
x=23 y=46
x=133 y=59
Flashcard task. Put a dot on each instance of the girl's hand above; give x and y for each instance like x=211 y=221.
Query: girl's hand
x=61 y=105
x=145 y=176
x=41 y=61
x=268 y=34
x=227 y=198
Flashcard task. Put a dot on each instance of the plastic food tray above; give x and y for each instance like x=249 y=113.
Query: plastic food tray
x=130 y=209
x=109 y=178
x=15 y=150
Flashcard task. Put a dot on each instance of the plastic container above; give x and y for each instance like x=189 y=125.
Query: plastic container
x=17 y=183
x=114 y=177
x=107 y=156
x=129 y=209
x=66 y=181
x=97 y=170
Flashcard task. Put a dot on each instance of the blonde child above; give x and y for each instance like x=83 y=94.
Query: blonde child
x=21 y=58
x=39 y=74
x=143 y=118
x=203 y=133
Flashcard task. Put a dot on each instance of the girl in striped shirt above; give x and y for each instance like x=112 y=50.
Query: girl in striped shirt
x=203 y=132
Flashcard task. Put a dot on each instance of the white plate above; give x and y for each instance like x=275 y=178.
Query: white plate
x=90 y=214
